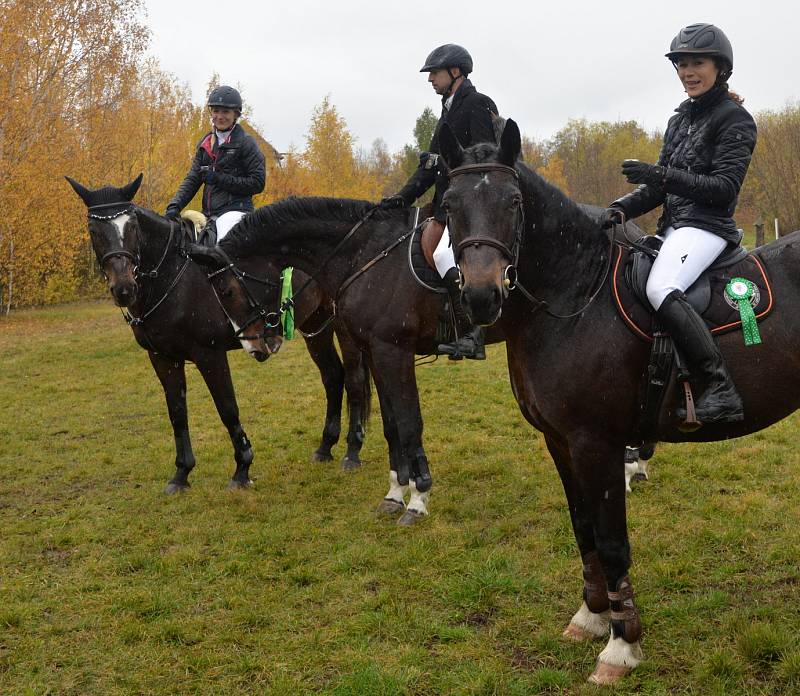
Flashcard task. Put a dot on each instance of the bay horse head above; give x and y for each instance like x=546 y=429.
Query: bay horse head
x=249 y=296
x=113 y=229
x=484 y=207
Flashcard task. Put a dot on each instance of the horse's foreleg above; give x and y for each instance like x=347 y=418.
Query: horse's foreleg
x=172 y=376
x=394 y=500
x=592 y=618
x=213 y=366
x=359 y=395
x=393 y=370
x=323 y=353
x=600 y=469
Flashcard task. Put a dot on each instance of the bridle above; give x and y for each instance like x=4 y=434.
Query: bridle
x=510 y=276
x=115 y=210
x=271 y=319
x=511 y=253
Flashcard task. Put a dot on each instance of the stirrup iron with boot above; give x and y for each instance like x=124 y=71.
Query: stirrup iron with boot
x=469 y=341
x=720 y=402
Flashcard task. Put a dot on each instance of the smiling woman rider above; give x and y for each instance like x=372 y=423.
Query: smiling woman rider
x=227 y=161
x=706 y=152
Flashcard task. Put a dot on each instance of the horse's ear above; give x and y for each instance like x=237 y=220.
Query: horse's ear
x=130 y=190
x=82 y=191
x=212 y=258
x=510 y=143
x=449 y=147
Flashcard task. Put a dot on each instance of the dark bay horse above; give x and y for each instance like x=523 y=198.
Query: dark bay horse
x=358 y=255
x=575 y=368
x=176 y=317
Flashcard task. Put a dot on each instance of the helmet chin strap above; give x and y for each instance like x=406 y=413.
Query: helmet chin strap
x=452 y=82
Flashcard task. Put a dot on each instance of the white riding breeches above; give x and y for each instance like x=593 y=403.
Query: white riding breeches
x=443 y=257
x=226 y=221
x=685 y=254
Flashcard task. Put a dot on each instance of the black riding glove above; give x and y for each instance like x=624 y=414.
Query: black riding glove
x=396 y=201
x=172 y=213
x=611 y=216
x=637 y=172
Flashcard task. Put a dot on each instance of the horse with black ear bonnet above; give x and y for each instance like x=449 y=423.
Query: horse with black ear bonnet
x=175 y=315
x=575 y=367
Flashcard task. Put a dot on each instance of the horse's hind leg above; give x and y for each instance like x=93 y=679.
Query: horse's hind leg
x=323 y=353
x=359 y=395
x=213 y=365
x=592 y=619
x=172 y=376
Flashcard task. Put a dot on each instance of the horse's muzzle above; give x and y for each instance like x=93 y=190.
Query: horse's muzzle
x=123 y=292
x=483 y=303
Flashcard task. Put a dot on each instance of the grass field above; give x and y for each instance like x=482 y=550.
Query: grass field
x=296 y=587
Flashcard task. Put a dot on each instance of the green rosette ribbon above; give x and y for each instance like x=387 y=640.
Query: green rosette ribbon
x=287 y=313
x=740 y=290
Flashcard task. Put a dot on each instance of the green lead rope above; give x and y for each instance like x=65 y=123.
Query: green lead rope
x=287 y=315
x=740 y=290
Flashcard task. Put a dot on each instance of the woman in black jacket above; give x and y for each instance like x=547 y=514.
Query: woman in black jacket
x=227 y=161
x=707 y=148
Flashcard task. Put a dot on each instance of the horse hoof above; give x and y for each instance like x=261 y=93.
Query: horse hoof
x=608 y=674
x=577 y=634
x=234 y=485
x=390 y=507
x=173 y=488
x=321 y=457
x=349 y=464
x=410 y=517
x=639 y=476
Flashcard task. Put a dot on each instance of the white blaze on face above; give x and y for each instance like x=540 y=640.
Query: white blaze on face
x=250 y=347
x=119 y=223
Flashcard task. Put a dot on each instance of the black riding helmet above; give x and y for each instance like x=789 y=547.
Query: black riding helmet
x=226 y=97
x=707 y=40
x=449 y=56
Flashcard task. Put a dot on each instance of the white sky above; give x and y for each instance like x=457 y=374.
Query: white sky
x=543 y=63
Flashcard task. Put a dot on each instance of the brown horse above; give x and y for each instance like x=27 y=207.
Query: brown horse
x=175 y=315
x=575 y=368
x=359 y=256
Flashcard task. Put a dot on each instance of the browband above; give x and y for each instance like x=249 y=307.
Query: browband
x=484 y=167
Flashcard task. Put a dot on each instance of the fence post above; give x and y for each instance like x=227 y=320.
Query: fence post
x=759 y=233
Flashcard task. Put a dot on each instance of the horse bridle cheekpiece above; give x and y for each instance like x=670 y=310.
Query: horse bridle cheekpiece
x=512 y=252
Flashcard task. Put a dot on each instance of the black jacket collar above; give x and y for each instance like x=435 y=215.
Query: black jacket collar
x=707 y=101
x=461 y=94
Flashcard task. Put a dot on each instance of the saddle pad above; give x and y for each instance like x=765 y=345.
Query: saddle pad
x=722 y=314
x=419 y=265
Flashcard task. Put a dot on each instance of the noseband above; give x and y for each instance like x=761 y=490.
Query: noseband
x=511 y=253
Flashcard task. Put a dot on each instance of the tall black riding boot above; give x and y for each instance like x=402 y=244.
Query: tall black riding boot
x=720 y=401
x=469 y=343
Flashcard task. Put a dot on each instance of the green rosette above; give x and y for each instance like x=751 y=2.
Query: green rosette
x=287 y=313
x=740 y=290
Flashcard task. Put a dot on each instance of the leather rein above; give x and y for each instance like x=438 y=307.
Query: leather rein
x=510 y=276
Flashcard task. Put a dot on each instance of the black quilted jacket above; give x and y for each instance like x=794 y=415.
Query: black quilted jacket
x=470 y=118
x=707 y=148
x=239 y=174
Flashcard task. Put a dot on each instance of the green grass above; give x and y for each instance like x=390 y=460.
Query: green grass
x=296 y=587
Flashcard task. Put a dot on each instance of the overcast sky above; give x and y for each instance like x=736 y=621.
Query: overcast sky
x=542 y=63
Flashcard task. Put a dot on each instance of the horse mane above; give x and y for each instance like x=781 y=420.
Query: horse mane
x=290 y=211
